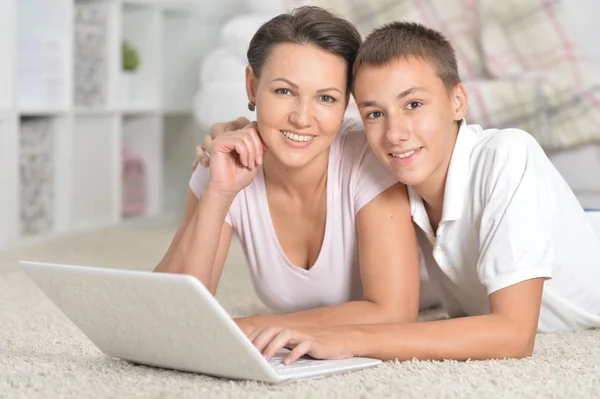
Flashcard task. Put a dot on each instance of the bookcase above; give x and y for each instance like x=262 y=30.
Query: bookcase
x=70 y=115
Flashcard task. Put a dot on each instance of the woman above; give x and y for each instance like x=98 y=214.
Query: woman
x=318 y=216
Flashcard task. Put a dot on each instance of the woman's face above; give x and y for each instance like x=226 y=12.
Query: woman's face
x=300 y=101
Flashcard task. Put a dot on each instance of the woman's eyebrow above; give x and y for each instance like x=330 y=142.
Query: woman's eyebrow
x=295 y=86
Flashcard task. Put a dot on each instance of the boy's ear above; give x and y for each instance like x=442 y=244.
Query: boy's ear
x=460 y=102
x=251 y=83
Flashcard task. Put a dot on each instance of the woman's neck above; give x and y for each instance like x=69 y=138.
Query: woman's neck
x=302 y=182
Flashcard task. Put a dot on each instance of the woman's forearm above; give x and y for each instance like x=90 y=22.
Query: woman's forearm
x=195 y=251
x=475 y=338
x=358 y=312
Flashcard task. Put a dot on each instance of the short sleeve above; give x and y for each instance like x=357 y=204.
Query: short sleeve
x=517 y=229
x=372 y=176
x=199 y=182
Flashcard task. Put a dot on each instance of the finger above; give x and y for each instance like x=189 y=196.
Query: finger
x=207 y=143
x=300 y=350
x=252 y=336
x=265 y=337
x=254 y=125
x=282 y=340
x=248 y=142
x=241 y=149
x=258 y=147
x=201 y=156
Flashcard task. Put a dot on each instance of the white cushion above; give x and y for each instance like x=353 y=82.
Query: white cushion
x=238 y=32
x=222 y=64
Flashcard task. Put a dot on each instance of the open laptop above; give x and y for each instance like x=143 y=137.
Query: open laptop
x=166 y=320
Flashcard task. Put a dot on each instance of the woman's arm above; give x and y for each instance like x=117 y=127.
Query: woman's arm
x=202 y=241
x=389 y=264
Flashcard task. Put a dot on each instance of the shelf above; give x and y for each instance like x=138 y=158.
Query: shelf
x=33 y=112
x=175 y=5
x=180 y=140
x=7 y=47
x=180 y=71
x=67 y=109
x=39 y=165
x=93 y=169
x=9 y=180
x=91 y=38
x=141 y=28
x=139 y=111
x=44 y=40
x=143 y=139
x=82 y=111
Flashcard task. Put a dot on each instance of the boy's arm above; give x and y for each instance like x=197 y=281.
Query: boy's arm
x=507 y=332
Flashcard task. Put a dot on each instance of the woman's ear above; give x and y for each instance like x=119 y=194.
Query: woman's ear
x=251 y=83
x=460 y=102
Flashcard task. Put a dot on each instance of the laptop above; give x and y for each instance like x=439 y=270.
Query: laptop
x=169 y=321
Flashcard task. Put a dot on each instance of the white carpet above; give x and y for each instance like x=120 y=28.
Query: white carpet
x=43 y=355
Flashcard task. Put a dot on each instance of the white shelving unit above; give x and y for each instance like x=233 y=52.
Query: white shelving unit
x=68 y=112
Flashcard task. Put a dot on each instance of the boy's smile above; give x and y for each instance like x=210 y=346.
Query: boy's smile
x=410 y=118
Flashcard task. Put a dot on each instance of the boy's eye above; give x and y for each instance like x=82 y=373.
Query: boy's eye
x=413 y=105
x=374 y=114
x=327 y=99
x=285 y=92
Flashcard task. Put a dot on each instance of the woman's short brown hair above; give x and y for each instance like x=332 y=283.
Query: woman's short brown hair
x=306 y=25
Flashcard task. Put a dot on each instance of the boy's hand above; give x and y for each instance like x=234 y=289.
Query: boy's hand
x=203 y=151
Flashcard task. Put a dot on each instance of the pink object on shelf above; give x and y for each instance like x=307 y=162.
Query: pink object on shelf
x=134 y=184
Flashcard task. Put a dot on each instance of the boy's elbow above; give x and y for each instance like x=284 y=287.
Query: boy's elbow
x=521 y=347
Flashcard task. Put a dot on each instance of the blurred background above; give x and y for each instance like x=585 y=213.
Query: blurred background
x=103 y=101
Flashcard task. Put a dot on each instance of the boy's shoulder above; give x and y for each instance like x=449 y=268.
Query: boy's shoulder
x=511 y=146
x=504 y=140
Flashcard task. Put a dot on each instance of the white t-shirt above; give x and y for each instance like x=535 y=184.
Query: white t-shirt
x=509 y=216
x=355 y=177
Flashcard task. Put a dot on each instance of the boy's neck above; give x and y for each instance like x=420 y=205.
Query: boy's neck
x=433 y=189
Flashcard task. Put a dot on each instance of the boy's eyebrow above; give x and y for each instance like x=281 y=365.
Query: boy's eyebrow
x=407 y=92
x=368 y=103
x=295 y=86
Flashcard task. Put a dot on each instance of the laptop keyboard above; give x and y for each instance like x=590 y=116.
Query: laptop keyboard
x=300 y=364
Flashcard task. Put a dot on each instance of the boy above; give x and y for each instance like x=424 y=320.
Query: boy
x=506 y=243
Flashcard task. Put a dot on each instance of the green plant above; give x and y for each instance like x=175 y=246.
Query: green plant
x=131 y=59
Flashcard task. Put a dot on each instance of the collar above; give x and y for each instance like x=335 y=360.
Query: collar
x=456 y=181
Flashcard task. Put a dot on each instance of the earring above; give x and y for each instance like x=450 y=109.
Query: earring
x=251 y=106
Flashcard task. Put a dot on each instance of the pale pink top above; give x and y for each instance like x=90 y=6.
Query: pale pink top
x=355 y=177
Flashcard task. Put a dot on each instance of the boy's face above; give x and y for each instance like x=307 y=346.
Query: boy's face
x=409 y=118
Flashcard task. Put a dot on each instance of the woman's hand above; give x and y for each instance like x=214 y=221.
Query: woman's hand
x=216 y=130
x=319 y=343
x=235 y=157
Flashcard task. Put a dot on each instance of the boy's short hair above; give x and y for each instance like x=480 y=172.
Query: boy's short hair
x=405 y=40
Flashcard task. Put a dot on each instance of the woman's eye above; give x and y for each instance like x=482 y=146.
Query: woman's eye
x=327 y=99
x=285 y=92
x=413 y=105
x=375 y=114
